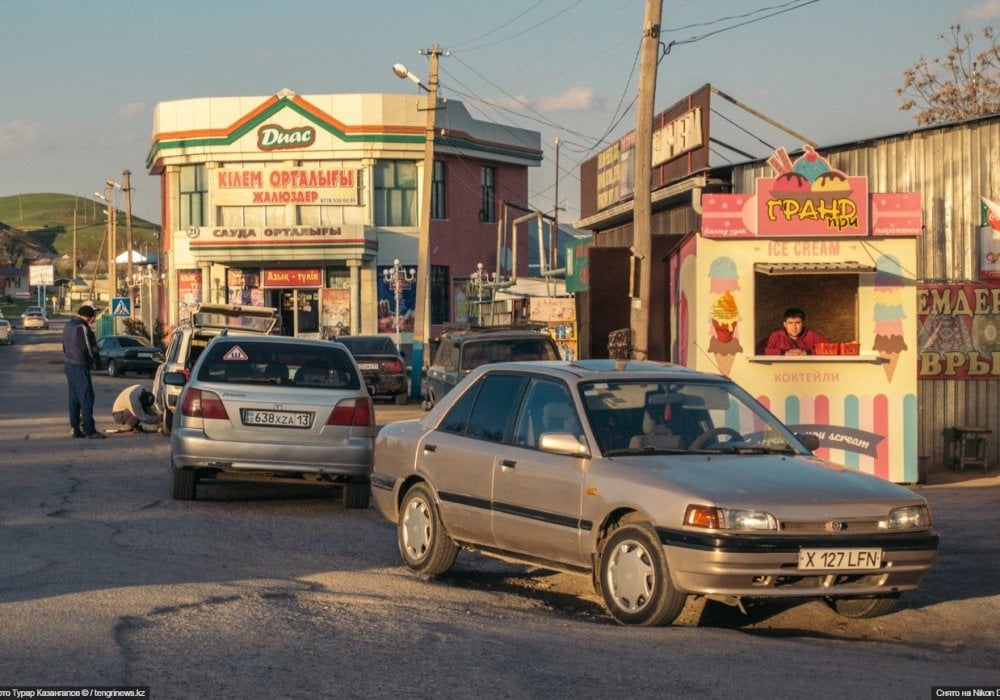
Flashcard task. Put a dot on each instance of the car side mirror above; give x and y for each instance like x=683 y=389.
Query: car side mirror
x=808 y=440
x=174 y=378
x=564 y=444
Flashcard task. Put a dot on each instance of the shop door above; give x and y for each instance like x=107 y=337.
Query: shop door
x=300 y=312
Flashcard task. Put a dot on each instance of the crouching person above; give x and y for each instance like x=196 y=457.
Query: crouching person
x=132 y=408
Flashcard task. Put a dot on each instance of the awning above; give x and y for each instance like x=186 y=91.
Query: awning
x=806 y=268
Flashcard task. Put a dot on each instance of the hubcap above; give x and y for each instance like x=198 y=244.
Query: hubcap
x=631 y=576
x=416 y=528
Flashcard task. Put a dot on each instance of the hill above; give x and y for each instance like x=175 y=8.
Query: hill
x=44 y=224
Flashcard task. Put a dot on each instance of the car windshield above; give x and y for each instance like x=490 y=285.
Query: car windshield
x=641 y=416
x=133 y=342
x=369 y=346
x=243 y=361
x=481 y=352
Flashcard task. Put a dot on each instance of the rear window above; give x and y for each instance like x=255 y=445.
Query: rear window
x=481 y=352
x=243 y=361
x=369 y=346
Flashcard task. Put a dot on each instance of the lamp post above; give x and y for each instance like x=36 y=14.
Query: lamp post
x=482 y=279
x=398 y=279
x=146 y=276
x=421 y=312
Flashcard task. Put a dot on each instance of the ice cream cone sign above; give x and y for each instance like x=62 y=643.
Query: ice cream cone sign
x=889 y=314
x=724 y=342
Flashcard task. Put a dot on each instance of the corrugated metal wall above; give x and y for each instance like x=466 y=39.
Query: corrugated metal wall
x=951 y=167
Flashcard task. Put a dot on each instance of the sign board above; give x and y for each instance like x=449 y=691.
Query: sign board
x=41 y=275
x=121 y=307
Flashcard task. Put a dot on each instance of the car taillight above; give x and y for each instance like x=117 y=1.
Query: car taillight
x=196 y=403
x=354 y=412
x=394 y=366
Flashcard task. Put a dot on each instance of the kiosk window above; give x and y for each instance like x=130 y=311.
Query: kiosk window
x=828 y=293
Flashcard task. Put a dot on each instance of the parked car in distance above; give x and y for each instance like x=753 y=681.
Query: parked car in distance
x=289 y=410
x=6 y=332
x=657 y=481
x=189 y=339
x=119 y=354
x=32 y=310
x=459 y=351
x=34 y=319
x=381 y=365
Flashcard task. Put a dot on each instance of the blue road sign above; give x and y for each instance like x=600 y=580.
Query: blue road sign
x=121 y=307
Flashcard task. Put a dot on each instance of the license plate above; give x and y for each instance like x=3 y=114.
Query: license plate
x=278 y=419
x=368 y=365
x=839 y=559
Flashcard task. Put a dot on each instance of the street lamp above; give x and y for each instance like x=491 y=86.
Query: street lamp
x=398 y=279
x=421 y=312
x=146 y=276
x=482 y=279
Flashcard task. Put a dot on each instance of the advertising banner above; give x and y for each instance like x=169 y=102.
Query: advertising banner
x=958 y=331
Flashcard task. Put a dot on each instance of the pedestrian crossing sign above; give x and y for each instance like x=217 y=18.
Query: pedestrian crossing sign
x=121 y=307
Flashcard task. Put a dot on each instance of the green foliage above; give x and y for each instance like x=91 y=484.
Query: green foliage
x=136 y=326
x=960 y=85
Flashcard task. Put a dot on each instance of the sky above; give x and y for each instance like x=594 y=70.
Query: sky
x=80 y=78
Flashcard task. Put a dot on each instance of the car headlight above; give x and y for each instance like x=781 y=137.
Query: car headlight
x=909 y=518
x=729 y=519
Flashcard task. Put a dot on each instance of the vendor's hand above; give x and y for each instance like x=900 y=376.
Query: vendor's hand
x=795 y=351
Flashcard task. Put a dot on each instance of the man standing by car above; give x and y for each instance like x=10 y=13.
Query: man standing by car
x=78 y=354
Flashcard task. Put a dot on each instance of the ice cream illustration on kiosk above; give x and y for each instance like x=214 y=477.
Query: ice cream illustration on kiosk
x=724 y=342
x=810 y=175
x=889 y=314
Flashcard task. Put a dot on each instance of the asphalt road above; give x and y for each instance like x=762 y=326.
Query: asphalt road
x=263 y=591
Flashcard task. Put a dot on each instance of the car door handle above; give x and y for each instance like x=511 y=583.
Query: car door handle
x=430 y=448
x=508 y=463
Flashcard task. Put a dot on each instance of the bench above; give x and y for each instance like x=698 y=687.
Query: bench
x=969 y=447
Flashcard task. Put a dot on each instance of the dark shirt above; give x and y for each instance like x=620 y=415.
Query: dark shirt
x=779 y=342
x=78 y=343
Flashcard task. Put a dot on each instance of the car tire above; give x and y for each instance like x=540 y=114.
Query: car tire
x=402 y=399
x=113 y=369
x=357 y=494
x=635 y=580
x=185 y=483
x=860 y=608
x=424 y=544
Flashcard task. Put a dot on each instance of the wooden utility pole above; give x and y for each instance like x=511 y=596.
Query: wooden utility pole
x=127 y=188
x=642 y=216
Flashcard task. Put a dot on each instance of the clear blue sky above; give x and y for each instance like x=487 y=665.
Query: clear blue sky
x=79 y=78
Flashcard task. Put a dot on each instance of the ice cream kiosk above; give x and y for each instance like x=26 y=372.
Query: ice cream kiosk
x=814 y=238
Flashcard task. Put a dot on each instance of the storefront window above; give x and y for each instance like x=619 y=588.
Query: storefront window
x=488 y=182
x=440 y=295
x=193 y=191
x=437 y=191
x=395 y=193
x=237 y=217
x=828 y=294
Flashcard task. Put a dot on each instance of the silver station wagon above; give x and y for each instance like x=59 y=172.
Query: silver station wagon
x=657 y=481
x=273 y=408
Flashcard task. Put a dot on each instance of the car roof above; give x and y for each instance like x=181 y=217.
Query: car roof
x=608 y=370
x=271 y=339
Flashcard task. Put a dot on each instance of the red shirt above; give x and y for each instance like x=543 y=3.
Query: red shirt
x=779 y=342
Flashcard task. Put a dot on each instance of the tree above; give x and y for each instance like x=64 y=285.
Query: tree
x=958 y=86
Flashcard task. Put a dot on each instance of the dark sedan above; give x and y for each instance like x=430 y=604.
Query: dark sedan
x=127 y=353
x=381 y=365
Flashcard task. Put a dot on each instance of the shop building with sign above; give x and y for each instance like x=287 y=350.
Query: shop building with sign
x=304 y=203
x=890 y=244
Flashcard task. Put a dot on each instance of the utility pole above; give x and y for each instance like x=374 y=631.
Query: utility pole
x=421 y=314
x=127 y=188
x=554 y=238
x=112 y=213
x=642 y=244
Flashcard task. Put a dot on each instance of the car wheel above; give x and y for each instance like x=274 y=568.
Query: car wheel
x=168 y=421
x=357 y=494
x=113 y=370
x=864 y=607
x=185 y=483
x=635 y=581
x=402 y=399
x=423 y=542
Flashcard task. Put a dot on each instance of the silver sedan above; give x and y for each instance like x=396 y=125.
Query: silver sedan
x=286 y=410
x=658 y=482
